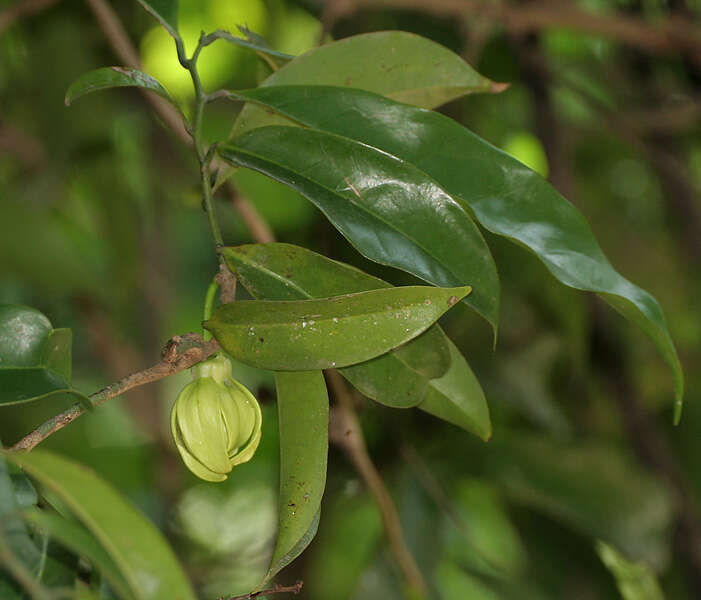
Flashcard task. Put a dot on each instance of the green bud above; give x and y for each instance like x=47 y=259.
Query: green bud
x=215 y=421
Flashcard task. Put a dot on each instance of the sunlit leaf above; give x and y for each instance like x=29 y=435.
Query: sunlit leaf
x=389 y=210
x=299 y=335
x=303 y=410
x=286 y=272
x=506 y=197
x=114 y=77
x=140 y=552
x=401 y=65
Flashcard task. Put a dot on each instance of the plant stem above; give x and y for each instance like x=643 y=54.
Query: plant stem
x=203 y=156
x=179 y=354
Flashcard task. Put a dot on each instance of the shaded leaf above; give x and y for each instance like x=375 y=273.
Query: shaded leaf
x=635 y=581
x=401 y=65
x=165 y=12
x=140 y=552
x=114 y=77
x=390 y=211
x=506 y=197
x=285 y=272
x=303 y=411
x=35 y=360
x=299 y=335
x=80 y=541
x=592 y=488
x=254 y=42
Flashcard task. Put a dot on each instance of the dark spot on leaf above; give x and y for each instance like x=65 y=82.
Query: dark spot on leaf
x=261 y=340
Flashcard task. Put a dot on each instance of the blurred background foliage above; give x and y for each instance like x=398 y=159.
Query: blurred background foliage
x=101 y=229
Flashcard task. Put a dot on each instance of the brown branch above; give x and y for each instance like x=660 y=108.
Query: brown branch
x=21 y=9
x=180 y=353
x=276 y=589
x=345 y=432
x=673 y=34
x=114 y=32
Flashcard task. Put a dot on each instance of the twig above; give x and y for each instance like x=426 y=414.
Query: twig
x=180 y=353
x=118 y=39
x=345 y=432
x=276 y=589
x=21 y=9
x=673 y=34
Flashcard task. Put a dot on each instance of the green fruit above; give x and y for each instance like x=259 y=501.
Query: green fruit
x=215 y=421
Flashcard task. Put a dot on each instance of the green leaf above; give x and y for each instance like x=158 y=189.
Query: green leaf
x=114 y=77
x=457 y=397
x=635 y=581
x=593 y=488
x=303 y=410
x=253 y=42
x=389 y=210
x=286 y=272
x=304 y=335
x=506 y=197
x=401 y=65
x=35 y=360
x=165 y=12
x=76 y=538
x=140 y=552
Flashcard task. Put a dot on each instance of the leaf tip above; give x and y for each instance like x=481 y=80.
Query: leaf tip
x=496 y=87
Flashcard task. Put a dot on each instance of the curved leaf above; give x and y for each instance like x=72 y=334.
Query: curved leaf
x=283 y=272
x=114 y=77
x=389 y=210
x=507 y=198
x=635 y=580
x=401 y=65
x=76 y=538
x=305 y=335
x=138 y=549
x=165 y=12
x=35 y=360
x=303 y=410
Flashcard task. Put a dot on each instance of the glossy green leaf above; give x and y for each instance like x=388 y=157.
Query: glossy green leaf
x=388 y=209
x=253 y=42
x=401 y=65
x=303 y=335
x=635 y=581
x=303 y=411
x=593 y=488
x=35 y=360
x=114 y=77
x=139 y=550
x=165 y=12
x=79 y=540
x=506 y=197
x=285 y=272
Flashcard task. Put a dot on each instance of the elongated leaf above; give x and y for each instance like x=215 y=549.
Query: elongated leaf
x=389 y=210
x=303 y=410
x=114 y=77
x=79 y=540
x=301 y=335
x=165 y=12
x=134 y=544
x=284 y=272
x=401 y=65
x=636 y=581
x=258 y=45
x=506 y=197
